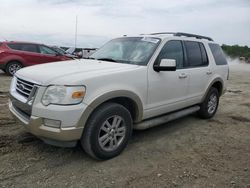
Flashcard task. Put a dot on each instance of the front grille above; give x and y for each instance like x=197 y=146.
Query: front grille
x=24 y=87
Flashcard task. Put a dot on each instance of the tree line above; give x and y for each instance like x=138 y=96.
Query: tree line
x=236 y=51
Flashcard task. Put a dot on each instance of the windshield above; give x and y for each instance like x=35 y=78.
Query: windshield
x=131 y=50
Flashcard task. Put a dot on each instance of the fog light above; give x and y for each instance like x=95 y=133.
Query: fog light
x=52 y=123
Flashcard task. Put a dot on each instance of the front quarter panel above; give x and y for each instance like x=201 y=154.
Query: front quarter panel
x=131 y=83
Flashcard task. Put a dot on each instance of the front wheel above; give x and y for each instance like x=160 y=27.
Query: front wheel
x=209 y=106
x=12 y=67
x=107 y=132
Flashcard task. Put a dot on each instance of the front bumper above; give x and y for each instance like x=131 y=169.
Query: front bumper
x=35 y=126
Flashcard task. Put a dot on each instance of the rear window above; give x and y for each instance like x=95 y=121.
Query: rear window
x=196 y=54
x=24 y=47
x=218 y=54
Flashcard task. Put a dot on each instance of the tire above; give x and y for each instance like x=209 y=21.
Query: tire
x=107 y=132
x=209 y=106
x=12 y=67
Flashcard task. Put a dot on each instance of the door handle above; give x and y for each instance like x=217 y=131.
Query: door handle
x=182 y=75
x=209 y=72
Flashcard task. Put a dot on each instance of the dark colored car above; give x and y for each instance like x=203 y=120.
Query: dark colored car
x=15 y=55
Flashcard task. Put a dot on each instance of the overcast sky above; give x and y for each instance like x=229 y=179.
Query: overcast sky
x=53 y=21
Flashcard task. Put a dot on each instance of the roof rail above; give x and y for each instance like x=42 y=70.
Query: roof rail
x=179 y=34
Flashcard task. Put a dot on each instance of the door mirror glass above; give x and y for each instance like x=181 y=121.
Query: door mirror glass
x=166 y=65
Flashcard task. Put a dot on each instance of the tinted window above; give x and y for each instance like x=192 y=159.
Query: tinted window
x=15 y=46
x=172 y=50
x=47 y=50
x=218 y=54
x=203 y=54
x=194 y=54
x=29 y=48
x=24 y=47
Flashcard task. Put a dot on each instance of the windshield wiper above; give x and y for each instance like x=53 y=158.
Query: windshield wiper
x=107 y=59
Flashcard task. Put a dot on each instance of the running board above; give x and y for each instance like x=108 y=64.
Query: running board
x=165 y=118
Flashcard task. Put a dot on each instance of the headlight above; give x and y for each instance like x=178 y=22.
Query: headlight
x=63 y=95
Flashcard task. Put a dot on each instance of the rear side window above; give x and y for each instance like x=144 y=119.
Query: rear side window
x=196 y=54
x=203 y=54
x=24 y=47
x=15 y=46
x=218 y=54
x=29 y=48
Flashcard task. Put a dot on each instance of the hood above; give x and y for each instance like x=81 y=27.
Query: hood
x=45 y=74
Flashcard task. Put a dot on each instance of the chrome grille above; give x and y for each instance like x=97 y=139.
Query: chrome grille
x=24 y=87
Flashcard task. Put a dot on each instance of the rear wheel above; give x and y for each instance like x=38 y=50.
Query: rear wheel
x=209 y=106
x=12 y=67
x=107 y=132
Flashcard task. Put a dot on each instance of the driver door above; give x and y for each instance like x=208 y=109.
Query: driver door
x=167 y=90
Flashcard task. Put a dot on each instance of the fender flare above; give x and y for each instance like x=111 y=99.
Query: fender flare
x=109 y=96
x=210 y=85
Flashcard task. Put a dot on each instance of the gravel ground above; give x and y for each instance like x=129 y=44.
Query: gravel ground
x=188 y=152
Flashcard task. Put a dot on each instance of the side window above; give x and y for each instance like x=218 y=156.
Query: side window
x=29 y=48
x=172 y=50
x=15 y=46
x=203 y=54
x=196 y=54
x=46 y=50
x=218 y=54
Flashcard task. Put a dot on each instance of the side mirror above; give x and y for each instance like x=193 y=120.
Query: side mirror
x=166 y=65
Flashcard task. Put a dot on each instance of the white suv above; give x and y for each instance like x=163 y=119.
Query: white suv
x=130 y=83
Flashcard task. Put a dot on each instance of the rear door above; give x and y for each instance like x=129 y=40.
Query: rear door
x=28 y=52
x=198 y=69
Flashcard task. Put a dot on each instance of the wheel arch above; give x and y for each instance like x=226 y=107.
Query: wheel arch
x=218 y=84
x=128 y=99
x=14 y=60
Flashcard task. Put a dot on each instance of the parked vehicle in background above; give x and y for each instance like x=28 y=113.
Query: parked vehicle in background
x=15 y=55
x=71 y=50
x=86 y=52
x=63 y=52
x=81 y=52
x=130 y=83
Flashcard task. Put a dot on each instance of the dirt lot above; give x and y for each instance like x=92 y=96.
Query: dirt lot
x=189 y=152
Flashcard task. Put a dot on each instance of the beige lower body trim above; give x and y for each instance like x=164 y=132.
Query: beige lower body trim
x=35 y=126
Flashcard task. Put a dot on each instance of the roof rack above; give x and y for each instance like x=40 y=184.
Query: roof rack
x=179 y=34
